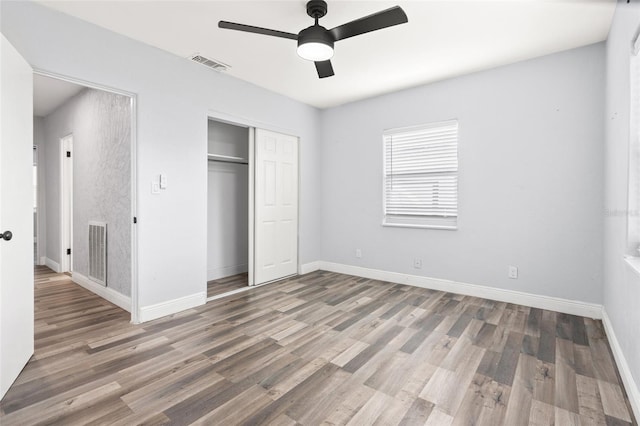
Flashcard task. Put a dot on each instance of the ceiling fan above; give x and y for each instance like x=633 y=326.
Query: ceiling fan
x=315 y=43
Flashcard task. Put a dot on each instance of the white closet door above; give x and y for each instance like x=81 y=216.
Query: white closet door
x=276 y=206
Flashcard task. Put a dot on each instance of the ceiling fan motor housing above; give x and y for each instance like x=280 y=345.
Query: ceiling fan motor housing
x=317 y=8
x=315 y=34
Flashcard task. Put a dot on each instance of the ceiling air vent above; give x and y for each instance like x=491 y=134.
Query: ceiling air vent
x=211 y=63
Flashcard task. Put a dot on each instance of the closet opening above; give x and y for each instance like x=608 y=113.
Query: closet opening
x=228 y=169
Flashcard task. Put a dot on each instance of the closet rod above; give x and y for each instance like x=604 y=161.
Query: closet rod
x=227 y=159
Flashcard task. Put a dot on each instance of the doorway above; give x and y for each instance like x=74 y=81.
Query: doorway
x=227 y=207
x=85 y=141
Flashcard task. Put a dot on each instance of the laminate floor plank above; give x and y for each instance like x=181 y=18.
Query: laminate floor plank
x=371 y=410
x=566 y=387
x=541 y=414
x=519 y=404
x=590 y=402
x=227 y=284
x=318 y=349
x=348 y=405
x=613 y=401
x=545 y=383
x=472 y=403
x=496 y=396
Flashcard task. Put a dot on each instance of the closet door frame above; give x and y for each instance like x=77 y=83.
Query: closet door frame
x=252 y=126
x=252 y=202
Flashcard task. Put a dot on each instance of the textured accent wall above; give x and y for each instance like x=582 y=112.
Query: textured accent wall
x=100 y=123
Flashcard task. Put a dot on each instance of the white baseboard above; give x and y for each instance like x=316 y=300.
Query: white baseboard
x=52 y=265
x=310 y=267
x=42 y=260
x=232 y=292
x=557 y=304
x=106 y=293
x=151 y=312
x=633 y=391
x=215 y=273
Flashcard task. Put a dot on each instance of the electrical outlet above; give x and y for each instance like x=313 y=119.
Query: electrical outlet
x=358 y=253
x=417 y=263
x=155 y=187
x=513 y=272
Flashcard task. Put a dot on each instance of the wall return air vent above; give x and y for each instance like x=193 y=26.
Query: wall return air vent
x=208 y=62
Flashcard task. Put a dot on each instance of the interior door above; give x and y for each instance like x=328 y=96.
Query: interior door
x=16 y=214
x=276 y=206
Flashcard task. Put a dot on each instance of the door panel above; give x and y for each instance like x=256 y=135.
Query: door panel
x=276 y=206
x=16 y=214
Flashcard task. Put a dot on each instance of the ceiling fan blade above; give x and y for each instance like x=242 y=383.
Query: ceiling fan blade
x=376 y=21
x=256 y=30
x=324 y=69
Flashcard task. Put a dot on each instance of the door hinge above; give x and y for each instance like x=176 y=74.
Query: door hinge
x=68 y=154
x=68 y=251
x=135 y=219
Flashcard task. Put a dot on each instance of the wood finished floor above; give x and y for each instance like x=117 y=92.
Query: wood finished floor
x=226 y=284
x=322 y=348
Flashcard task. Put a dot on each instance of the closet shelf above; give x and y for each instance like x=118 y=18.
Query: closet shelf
x=227 y=159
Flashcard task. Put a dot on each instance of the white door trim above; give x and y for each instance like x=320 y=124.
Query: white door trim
x=252 y=199
x=66 y=203
x=36 y=225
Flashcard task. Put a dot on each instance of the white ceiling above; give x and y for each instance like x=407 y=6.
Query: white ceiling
x=442 y=39
x=50 y=93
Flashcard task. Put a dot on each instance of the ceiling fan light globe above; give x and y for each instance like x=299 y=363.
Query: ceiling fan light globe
x=315 y=44
x=315 y=51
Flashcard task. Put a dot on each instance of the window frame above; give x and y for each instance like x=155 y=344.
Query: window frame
x=442 y=222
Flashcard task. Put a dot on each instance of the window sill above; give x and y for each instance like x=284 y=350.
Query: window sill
x=449 y=223
x=408 y=225
x=633 y=262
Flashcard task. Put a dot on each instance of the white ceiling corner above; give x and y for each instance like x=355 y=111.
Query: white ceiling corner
x=50 y=93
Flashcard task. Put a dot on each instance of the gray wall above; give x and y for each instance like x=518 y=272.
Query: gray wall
x=100 y=123
x=621 y=283
x=530 y=180
x=174 y=97
x=227 y=202
x=227 y=139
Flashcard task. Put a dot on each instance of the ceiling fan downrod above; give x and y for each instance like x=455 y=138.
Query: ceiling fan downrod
x=317 y=9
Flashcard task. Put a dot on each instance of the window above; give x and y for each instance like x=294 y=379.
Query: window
x=421 y=176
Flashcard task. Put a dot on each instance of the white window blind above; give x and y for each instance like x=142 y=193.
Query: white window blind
x=421 y=176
